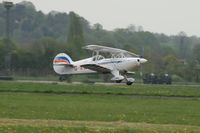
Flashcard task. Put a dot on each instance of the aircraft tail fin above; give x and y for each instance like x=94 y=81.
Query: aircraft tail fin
x=62 y=64
x=62 y=59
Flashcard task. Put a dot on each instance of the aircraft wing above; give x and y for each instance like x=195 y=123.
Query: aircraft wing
x=104 y=70
x=105 y=49
x=96 y=68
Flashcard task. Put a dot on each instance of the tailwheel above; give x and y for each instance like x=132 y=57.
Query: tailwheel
x=62 y=78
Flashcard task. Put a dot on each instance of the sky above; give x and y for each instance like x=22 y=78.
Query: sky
x=158 y=16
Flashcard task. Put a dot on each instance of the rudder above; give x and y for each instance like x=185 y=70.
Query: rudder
x=62 y=58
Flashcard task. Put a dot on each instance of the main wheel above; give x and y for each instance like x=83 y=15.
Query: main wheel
x=129 y=83
x=118 y=81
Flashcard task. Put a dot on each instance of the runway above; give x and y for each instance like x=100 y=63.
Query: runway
x=101 y=83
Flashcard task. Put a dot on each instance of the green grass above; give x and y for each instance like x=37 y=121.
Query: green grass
x=30 y=129
x=99 y=108
x=146 y=90
x=99 y=104
x=36 y=78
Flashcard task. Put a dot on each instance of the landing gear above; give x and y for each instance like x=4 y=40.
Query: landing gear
x=118 y=81
x=62 y=78
x=129 y=83
x=118 y=78
x=65 y=77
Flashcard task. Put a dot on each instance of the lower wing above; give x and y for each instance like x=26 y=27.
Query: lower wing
x=104 y=70
x=96 y=68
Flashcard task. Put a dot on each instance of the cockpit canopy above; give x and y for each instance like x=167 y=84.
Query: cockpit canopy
x=98 y=57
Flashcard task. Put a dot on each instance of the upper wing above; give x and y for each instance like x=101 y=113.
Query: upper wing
x=96 y=68
x=105 y=49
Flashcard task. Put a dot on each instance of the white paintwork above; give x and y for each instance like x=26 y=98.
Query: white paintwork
x=63 y=64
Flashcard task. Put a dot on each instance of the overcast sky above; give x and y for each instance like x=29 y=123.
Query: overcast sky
x=161 y=16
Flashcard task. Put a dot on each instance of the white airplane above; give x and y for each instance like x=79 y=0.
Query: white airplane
x=119 y=63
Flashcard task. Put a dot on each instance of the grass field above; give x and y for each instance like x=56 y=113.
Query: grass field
x=63 y=108
x=145 y=90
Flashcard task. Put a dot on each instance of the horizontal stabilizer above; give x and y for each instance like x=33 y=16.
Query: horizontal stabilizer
x=66 y=65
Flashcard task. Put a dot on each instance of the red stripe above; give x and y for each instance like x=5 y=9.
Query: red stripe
x=61 y=61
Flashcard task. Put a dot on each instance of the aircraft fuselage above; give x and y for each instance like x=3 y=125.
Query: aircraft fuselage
x=120 y=64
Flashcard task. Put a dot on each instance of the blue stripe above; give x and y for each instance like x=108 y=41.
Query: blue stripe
x=63 y=58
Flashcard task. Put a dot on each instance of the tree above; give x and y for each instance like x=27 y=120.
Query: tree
x=131 y=28
x=97 y=27
x=45 y=50
x=183 y=46
x=140 y=29
x=75 y=36
x=6 y=49
x=196 y=52
x=171 y=64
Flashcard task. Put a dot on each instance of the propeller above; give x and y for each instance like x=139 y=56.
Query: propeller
x=142 y=60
